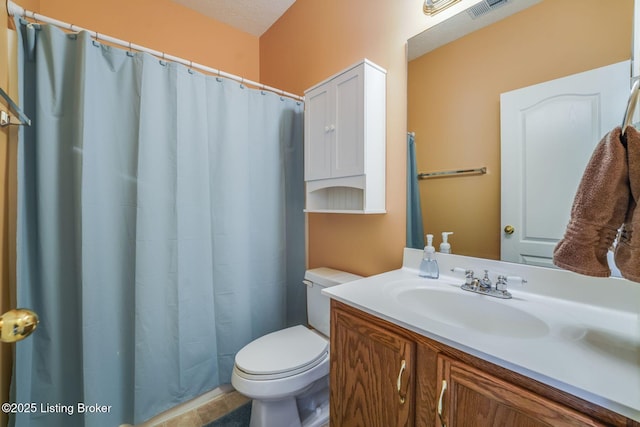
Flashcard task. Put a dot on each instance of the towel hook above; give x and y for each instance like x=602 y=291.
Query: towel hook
x=631 y=105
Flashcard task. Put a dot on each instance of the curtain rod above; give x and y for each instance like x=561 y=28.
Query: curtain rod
x=15 y=9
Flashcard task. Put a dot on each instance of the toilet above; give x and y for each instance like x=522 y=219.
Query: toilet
x=286 y=372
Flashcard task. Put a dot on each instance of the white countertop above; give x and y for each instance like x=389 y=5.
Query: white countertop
x=588 y=343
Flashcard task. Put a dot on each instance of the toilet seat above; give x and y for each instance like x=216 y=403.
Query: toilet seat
x=281 y=354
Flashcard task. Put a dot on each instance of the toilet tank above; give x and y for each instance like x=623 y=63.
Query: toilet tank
x=318 y=306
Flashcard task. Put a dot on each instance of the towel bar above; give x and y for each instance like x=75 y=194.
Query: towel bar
x=476 y=171
x=5 y=117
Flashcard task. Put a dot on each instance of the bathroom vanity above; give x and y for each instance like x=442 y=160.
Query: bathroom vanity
x=407 y=351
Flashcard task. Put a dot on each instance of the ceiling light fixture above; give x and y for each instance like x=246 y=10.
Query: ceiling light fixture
x=431 y=7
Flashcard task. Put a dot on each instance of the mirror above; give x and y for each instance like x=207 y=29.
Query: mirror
x=454 y=104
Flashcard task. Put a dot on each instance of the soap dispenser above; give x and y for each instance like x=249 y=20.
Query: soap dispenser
x=429 y=265
x=445 y=246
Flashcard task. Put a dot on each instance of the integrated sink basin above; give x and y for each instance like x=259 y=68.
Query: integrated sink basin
x=447 y=303
x=578 y=334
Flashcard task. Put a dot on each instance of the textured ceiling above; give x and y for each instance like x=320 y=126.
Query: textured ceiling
x=251 y=16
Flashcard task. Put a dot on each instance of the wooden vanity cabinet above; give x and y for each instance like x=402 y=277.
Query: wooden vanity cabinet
x=373 y=367
x=367 y=384
x=473 y=398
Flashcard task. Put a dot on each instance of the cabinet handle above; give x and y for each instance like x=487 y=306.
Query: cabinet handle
x=444 y=388
x=402 y=368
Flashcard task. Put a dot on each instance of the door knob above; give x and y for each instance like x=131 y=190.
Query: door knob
x=508 y=229
x=17 y=324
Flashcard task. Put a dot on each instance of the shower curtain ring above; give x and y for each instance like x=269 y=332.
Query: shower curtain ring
x=130 y=53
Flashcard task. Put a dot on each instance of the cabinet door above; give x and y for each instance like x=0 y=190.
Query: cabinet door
x=348 y=144
x=472 y=398
x=318 y=133
x=427 y=385
x=371 y=374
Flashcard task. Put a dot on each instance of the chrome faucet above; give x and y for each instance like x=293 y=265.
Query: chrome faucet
x=484 y=286
x=485 y=282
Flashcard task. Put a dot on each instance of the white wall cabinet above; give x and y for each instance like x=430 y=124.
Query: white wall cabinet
x=345 y=134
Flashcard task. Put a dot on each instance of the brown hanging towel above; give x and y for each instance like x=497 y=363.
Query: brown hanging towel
x=627 y=254
x=599 y=208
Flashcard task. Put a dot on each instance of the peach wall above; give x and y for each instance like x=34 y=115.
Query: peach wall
x=454 y=108
x=314 y=40
x=162 y=25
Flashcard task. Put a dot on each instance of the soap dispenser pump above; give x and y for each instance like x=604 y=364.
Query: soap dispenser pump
x=429 y=265
x=445 y=246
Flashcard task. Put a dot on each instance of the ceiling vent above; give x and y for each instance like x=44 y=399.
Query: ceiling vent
x=485 y=7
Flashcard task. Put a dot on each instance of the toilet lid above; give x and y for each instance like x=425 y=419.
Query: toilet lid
x=282 y=351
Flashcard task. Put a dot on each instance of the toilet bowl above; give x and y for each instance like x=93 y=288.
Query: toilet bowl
x=286 y=372
x=275 y=369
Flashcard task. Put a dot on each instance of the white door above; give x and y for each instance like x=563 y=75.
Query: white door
x=548 y=132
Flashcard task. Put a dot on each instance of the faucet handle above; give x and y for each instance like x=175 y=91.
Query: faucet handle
x=485 y=282
x=512 y=279
x=501 y=284
x=468 y=274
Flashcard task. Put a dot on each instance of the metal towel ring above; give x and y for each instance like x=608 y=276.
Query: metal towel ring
x=631 y=105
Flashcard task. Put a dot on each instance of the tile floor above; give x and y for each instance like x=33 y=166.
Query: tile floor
x=204 y=415
x=207 y=413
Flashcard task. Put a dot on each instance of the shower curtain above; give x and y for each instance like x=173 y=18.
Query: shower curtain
x=160 y=229
x=415 y=229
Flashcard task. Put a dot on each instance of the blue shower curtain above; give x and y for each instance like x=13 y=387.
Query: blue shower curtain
x=415 y=228
x=160 y=229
